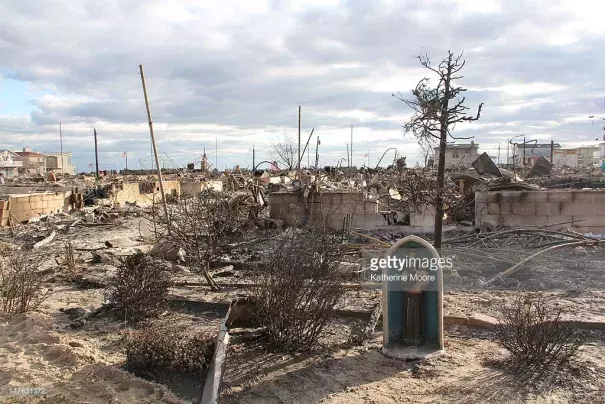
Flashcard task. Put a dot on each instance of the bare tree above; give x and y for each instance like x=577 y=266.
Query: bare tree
x=285 y=151
x=436 y=111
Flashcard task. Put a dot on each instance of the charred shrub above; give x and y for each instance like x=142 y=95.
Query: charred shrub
x=300 y=284
x=200 y=224
x=21 y=286
x=139 y=289
x=162 y=348
x=534 y=334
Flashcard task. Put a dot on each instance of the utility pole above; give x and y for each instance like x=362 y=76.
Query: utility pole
x=552 y=146
x=253 y=163
x=498 y=153
x=508 y=152
x=61 y=141
x=96 y=155
x=298 y=167
x=216 y=152
x=317 y=155
x=155 y=149
x=351 y=145
x=348 y=161
x=524 y=151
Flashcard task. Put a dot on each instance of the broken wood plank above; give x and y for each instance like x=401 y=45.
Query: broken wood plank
x=46 y=240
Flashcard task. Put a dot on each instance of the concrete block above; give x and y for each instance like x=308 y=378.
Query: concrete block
x=535 y=196
x=492 y=219
x=524 y=208
x=574 y=208
x=598 y=208
x=506 y=207
x=560 y=196
x=493 y=197
x=596 y=220
x=513 y=196
x=493 y=208
x=548 y=208
x=584 y=196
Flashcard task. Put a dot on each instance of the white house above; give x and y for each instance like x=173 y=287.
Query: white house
x=459 y=155
x=575 y=157
x=9 y=163
x=60 y=163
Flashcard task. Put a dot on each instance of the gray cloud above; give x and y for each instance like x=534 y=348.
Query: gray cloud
x=244 y=73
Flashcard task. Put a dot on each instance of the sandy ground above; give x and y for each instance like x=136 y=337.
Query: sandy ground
x=43 y=360
x=365 y=375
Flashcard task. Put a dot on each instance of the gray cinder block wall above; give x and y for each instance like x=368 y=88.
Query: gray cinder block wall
x=579 y=210
x=290 y=207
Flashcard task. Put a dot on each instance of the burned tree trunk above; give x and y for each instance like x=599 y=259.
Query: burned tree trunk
x=434 y=115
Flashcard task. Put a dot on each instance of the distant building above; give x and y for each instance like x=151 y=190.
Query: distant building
x=9 y=163
x=60 y=163
x=583 y=156
x=565 y=157
x=33 y=163
x=586 y=155
x=528 y=153
x=459 y=155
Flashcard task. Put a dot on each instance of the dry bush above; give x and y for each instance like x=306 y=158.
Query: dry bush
x=534 y=334
x=139 y=288
x=163 y=348
x=300 y=284
x=21 y=286
x=199 y=224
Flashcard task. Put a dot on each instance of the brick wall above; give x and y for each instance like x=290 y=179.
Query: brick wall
x=581 y=210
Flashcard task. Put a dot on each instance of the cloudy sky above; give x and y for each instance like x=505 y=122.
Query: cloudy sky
x=237 y=71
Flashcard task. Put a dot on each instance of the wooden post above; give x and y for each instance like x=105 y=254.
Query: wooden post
x=306 y=145
x=96 y=155
x=298 y=167
x=317 y=155
x=348 y=160
x=351 y=145
x=61 y=140
x=155 y=149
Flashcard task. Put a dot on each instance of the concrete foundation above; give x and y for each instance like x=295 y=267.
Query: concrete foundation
x=23 y=207
x=146 y=192
x=579 y=210
x=334 y=206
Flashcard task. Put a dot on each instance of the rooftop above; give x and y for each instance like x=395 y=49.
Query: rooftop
x=537 y=145
x=30 y=154
x=460 y=146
